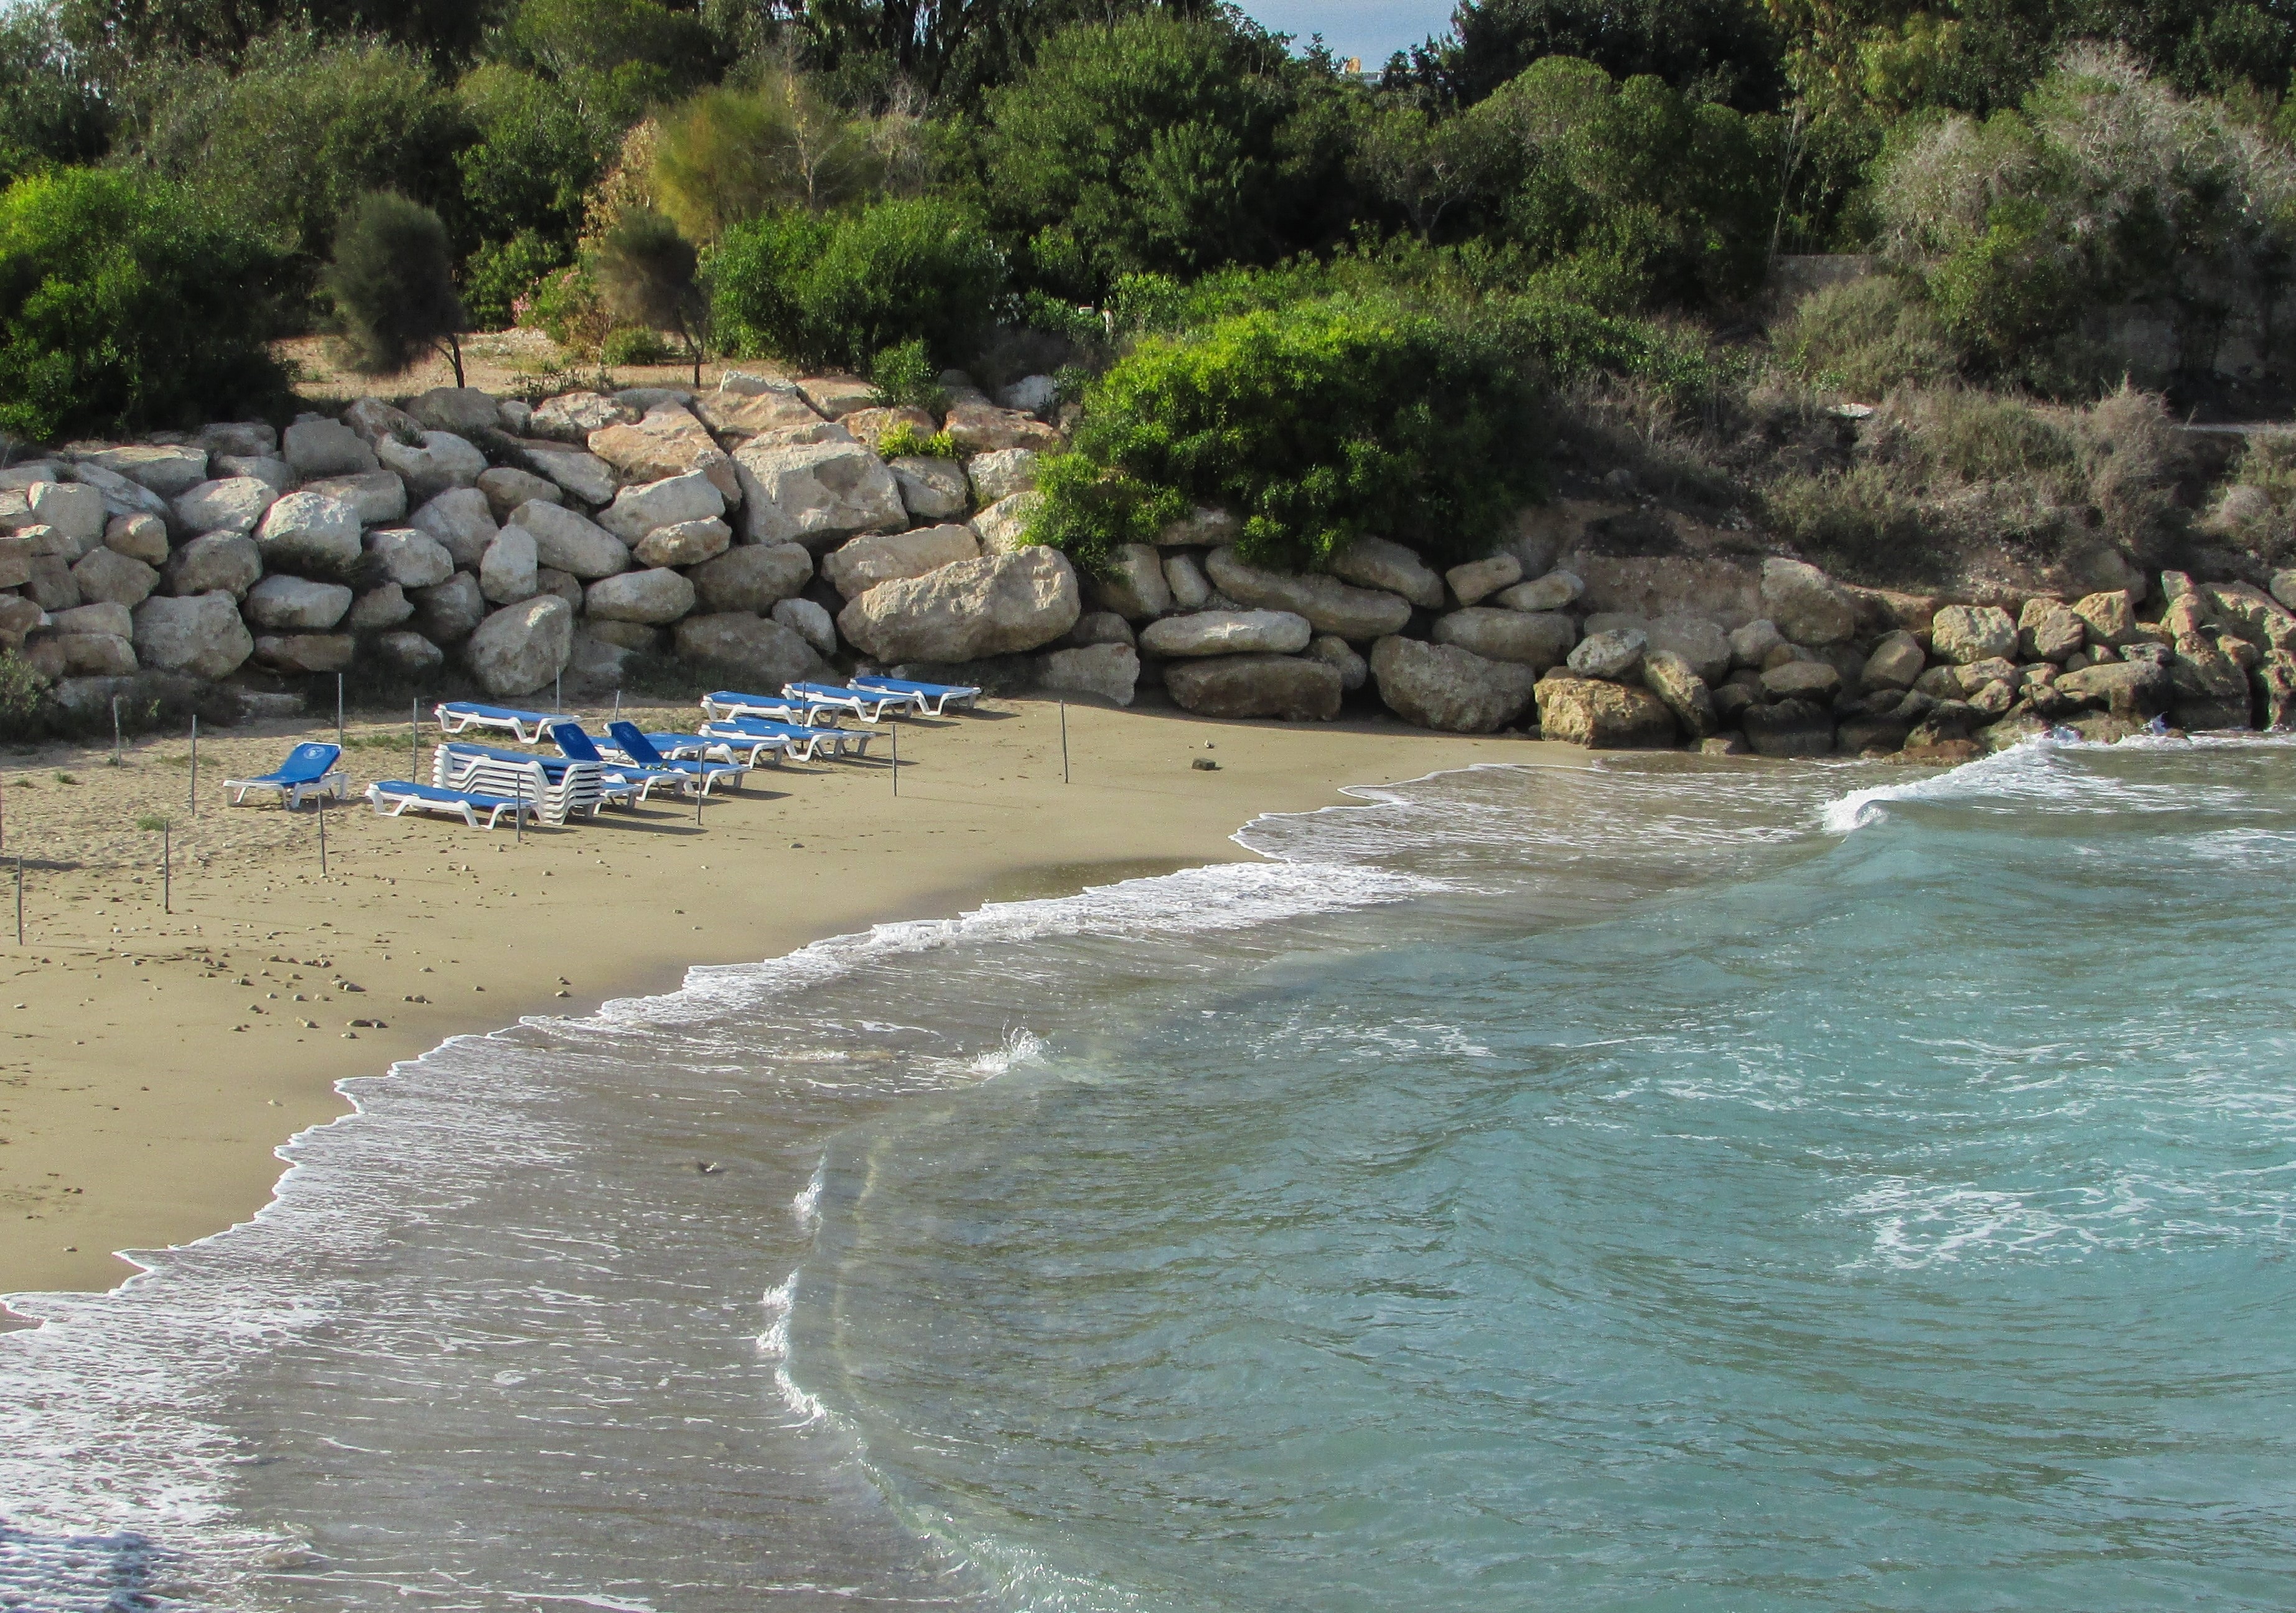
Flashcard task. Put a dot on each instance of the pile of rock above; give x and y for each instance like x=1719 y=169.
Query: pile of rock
x=735 y=528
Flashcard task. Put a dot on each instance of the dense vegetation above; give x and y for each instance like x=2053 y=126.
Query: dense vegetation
x=1339 y=301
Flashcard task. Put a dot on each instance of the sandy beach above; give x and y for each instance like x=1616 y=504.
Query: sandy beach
x=154 y=1060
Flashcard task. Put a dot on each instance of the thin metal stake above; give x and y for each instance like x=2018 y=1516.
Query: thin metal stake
x=339 y=710
x=3 y=816
x=1064 y=742
x=115 y=730
x=167 y=872
x=557 y=689
x=700 y=786
x=195 y=764
x=414 y=739
x=20 y=902
x=323 y=841
x=618 y=706
x=897 y=760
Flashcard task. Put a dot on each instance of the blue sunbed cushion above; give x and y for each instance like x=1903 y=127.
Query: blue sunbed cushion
x=445 y=797
x=305 y=764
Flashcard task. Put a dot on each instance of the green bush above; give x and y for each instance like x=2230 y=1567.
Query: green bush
x=49 y=111
x=392 y=281
x=908 y=374
x=501 y=278
x=1864 y=337
x=839 y=291
x=568 y=309
x=124 y=304
x=541 y=147
x=1316 y=423
x=905 y=442
x=635 y=344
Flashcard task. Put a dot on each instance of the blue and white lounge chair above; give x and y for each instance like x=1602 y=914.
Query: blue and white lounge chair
x=870 y=705
x=627 y=785
x=800 y=743
x=632 y=743
x=775 y=708
x=393 y=797
x=308 y=770
x=933 y=699
x=562 y=790
x=718 y=743
x=456 y=715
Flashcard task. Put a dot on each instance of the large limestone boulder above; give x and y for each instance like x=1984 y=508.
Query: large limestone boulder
x=1228 y=633
x=522 y=648
x=462 y=521
x=1440 y=685
x=2108 y=618
x=1809 y=606
x=2048 y=630
x=121 y=496
x=809 y=622
x=305 y=653
x=1537 y=640
x=576 y=472
x=1002 y=473
x=861 y=563
x=1295 y=687
x=200 y=636
x=983 y=428
x=573 y=416
x=571 y=543
x=74 y=512
x=381 y=607
x=409 y=558
x=1790 y=728
x=447 y=614
x=442 y=460
x=1112 y=671
x=1604 y=715
x=282 y=604
x=2136 y=691
x=816 y=493
x=1004 y=525
x=687 y=543
x=1192 y=590
x=379 y=496
x=166 y=470
x=49 y=583
x=142 y=538
x=1135 y=585
x=1204 y=527
x=755 y=651
x=933 y=490
x=506 y=487
x=1673 y=679
x=410 y=654
x=245 y=438
x=837 y=397
x=463 y=410
x=276 y=474
x=220 y=562
x=308 y=532
x=113 y=620
x=1966 y=633
x=754 y=577
x=1616 y=654
x=1354 y=670
x=371 y=420
x=108 y=576
x=670 y=442
x=231 y=505
x=1478 y=579
x=999 y=605
x=510 y=570
x=1554 y=591
x=1896 y=661
x=1374 y=562
x=1330 y=605
x=60 y=655
x=2247 y=612
x=642 y=506
x=657 y=596
x=1813 y=680
x=753 y=406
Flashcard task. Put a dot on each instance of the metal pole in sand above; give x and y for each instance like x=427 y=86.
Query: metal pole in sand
x=115 y=730
x=1064 y=742
x=896 y=761
x=195 y=764
x=557 y=692
x=323 y=839
x=414 y=739
x=3 y=816
x=20 y=902
x=167 y=872
x=339 y=710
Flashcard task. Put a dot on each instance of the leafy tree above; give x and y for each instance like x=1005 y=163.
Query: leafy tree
x=839 y=291
x=1425 y=166
x=125 y=34
x=730 y=154
x=49 y=112
x=392 y=281
x=285 y=145
x=541 y=148
x=124 y=304
x=500 y=278
x=1152 y=143
x=646 y=270
x=1316 y=423
x=586 y=40
x=1708 y=50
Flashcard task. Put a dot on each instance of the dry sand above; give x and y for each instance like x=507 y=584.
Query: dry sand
x=154 y=1061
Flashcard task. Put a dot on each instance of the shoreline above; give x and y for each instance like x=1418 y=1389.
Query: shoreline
x=139 y=1127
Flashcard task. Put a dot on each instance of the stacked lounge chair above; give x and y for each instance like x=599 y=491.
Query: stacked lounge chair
x=310 y=770
x=527 y=727
x=933 y=699
x=561 y=789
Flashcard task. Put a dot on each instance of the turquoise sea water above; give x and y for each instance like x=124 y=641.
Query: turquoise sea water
x=1666 y=1185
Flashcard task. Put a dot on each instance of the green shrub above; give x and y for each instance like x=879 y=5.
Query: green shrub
x=21 y=691
x=907 y=375
x=1315 y=423
x=645 y=273
x=635 y=344
x=839 y=291
x=124 y=304
x=568 y=309
x=393 y=285
x=49 y=111
x=542 y=146
x=905 y=442
x=501 y=278
x=730 y=154
x=1864 y=337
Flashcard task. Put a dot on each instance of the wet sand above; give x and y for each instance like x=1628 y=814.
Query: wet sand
x=151 y=1061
